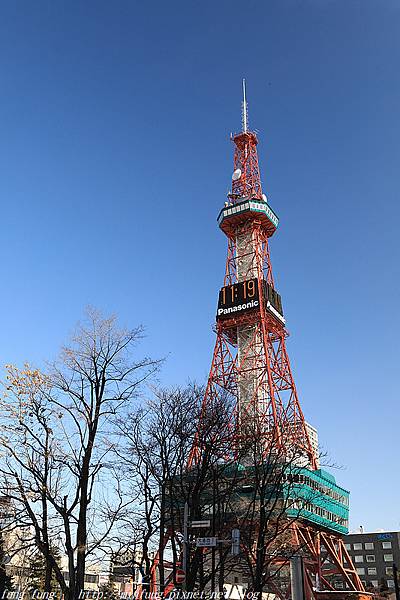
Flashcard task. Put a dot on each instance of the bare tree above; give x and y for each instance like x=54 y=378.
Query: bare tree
x=265 y=507
x=267 y=497
x=156 y=442
x=56 y=431
x=28 y=465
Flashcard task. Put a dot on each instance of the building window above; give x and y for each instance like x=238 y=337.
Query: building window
x=358 y=558
x=357 y=546
x=339 y=585
x=374 y=583
x=387 y=545
x=369 y=545
x=388 y=557
x=370 y=557
x=390 y=583
x=389 y=570
x=371 y=570
x=360 y=570
x=347 y=546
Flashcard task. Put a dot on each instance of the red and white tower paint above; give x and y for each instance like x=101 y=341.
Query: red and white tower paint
x=250 y=365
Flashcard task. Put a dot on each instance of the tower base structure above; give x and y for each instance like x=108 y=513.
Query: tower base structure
x=325 y=563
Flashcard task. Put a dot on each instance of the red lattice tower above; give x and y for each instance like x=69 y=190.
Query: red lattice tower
x=250 y=361
x=250 y=369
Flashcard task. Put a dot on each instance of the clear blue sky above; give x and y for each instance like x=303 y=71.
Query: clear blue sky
x=115 y=160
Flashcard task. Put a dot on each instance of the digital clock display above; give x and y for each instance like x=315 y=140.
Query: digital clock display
x=238 y=297
x=244 y=296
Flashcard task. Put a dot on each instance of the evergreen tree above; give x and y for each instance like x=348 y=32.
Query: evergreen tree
x=42 y=577
x=5 y=580
x=109 y=589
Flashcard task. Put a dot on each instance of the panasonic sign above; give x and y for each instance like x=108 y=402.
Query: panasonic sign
x=239 y=307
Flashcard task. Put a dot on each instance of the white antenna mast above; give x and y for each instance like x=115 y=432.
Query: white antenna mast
x=245 y=115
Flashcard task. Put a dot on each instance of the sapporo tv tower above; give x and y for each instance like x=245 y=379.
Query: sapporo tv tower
x=251 y=364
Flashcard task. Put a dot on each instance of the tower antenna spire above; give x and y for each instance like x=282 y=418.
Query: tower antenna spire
x=245 y=116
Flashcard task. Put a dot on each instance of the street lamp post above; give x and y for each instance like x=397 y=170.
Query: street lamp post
x=296 y=577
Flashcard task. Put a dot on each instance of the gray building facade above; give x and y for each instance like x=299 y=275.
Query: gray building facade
x=373 y=555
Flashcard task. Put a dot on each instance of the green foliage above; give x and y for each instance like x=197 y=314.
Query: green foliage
x=109 y=590
x=38 y=573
